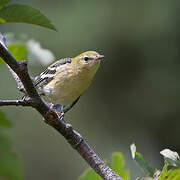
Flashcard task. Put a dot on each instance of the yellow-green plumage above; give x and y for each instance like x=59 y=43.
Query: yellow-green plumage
x=72 y=79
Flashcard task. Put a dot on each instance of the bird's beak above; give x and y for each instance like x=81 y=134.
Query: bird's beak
x=99 y=57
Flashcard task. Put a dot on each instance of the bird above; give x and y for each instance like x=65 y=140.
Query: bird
x=64 y=81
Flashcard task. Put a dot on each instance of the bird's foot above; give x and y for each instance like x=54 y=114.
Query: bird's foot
x=59 y=110
x=58 y=107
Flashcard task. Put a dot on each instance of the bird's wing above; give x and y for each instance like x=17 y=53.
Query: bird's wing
x=46 y=76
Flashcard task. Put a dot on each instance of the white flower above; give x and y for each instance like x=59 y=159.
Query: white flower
x=37 y=54
x=167 y=153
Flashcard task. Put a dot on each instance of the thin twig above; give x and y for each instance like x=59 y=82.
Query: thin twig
x=15 y=103
x=18 y=81
x=54 y=119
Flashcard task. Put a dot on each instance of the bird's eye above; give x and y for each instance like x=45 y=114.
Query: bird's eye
x=86 y=58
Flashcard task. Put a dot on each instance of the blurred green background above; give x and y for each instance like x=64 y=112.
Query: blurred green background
x=135 y=96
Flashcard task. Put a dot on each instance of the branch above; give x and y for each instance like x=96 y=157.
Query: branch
x=16 y=78
x=53 y=118
x=15 y=103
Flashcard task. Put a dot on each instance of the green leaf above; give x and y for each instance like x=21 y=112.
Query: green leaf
x=10 y=166
x=4 y=2
x=173 y=174
x=172 y=162
x=3 y=121
x=18 y=51
x=89 y=174
x=143 y=164
x=164 y=172
x=10 y=163
x=18 y=13
x=118 y=165
x=5 y=143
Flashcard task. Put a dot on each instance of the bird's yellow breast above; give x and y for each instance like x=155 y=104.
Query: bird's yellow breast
x=70 y=82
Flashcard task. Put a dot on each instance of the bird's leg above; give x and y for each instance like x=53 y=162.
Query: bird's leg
x=58 y=107
x=70 y=106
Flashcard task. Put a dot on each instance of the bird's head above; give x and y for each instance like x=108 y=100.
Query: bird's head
x=88 y=59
